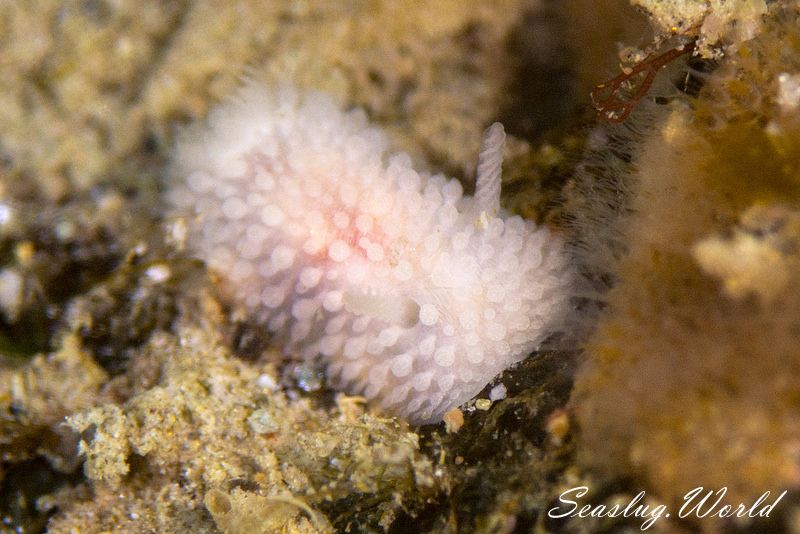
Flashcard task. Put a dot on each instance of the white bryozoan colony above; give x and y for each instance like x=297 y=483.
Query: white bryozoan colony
x=415 y=295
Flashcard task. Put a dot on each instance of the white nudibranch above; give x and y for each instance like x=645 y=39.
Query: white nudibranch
x=414 y=295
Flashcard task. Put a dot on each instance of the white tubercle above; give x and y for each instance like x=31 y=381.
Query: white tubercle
x=415 y=295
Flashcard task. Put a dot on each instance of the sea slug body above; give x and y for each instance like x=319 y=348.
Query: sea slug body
x=415 y=295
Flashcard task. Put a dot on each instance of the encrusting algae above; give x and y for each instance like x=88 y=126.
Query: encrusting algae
x=714 y=22
x=235 y=437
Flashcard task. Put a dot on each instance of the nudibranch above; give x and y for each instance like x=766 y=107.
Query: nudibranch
x=414 y=294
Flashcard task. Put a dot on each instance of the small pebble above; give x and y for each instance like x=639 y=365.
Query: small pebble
x=158 y=273
x=483 y=404
x=498 y=392
x=267 y=382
